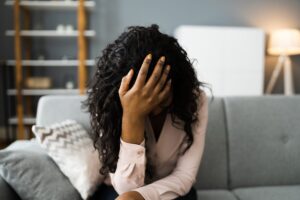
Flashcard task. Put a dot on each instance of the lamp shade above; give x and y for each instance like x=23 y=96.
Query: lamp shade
x=284 y=42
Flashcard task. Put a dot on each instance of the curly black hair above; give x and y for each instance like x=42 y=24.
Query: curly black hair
x=103 y=102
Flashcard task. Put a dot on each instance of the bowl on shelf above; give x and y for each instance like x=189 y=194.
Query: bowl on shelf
x=38 y=82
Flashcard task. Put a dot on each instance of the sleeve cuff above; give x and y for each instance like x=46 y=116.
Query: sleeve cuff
x=132 y=153
x=131 y=144
x=148 y=193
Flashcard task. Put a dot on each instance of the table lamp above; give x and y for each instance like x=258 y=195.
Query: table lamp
x=284 y=42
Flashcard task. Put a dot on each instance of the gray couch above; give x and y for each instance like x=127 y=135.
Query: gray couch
x=252 y=147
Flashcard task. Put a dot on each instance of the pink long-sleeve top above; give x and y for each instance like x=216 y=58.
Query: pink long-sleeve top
x=175 y=172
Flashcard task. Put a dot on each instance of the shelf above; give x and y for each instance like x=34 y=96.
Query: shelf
x=26 y=120
x=50 y=33
x=38 y=92
x=53 y=5
x=47 y=63
x=21 y=11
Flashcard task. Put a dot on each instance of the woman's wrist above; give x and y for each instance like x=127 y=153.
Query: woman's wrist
x=133 y=129
x=131 y=195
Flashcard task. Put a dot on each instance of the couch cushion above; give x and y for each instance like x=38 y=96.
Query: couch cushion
x=269 y=193
x=32 y=174
x=56 y=108
x=213 y=169
x=264 y=140
x=71 y=148
x=215 y=195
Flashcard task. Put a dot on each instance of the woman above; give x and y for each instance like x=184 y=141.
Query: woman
x=148 y=117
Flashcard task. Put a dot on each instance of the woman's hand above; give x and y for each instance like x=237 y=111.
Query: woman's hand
x=132 y=195
x=142 y=98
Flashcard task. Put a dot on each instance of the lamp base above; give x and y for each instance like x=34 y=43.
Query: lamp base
x=283 y=61
x=288 y=77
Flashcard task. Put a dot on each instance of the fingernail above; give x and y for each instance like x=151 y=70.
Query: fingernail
x=168 y=67
x=130 y=71
x=163 y=58
x=149 y=56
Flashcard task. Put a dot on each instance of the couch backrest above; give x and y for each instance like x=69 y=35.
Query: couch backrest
x=264 y=140
x=250 y=141
x=213 y=172
x=56 y=108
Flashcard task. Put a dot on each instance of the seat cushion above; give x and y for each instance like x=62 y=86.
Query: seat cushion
x=215 y=195
x=269 y=193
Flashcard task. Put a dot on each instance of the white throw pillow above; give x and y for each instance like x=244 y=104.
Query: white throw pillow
x=70 y=146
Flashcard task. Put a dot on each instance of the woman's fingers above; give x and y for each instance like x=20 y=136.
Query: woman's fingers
x=167 y=102
x=164 y=103
x=166 y=91
x=156 y=74
x=125 y=83
x=141 y=77
x=159 y=86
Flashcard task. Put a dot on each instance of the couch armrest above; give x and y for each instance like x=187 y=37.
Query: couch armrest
x=6 y=192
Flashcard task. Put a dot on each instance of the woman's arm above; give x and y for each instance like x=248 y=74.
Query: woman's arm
x=137 y=102
x=131 y=166
x=130 y=170
x=180 y=181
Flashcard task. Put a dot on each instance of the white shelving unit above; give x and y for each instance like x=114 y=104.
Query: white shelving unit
x=26 y=120
x=22 y=31
x=50 y=63
x=50 y=33
x=39 y=92
x=66 y=5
